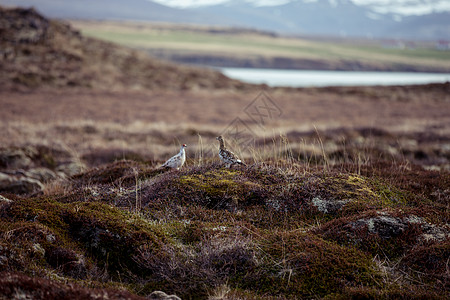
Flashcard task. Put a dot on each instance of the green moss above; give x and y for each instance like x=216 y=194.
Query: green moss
x=390 y=195
x=361 y=193
x=42 y=210
x=219 y=188
x=214 y=183
x=304 y=265
x=350 y=187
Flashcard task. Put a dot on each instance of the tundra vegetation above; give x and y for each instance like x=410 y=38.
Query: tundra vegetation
x=356 y=207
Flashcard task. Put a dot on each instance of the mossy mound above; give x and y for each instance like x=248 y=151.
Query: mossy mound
x=271 y=192
x=120 y=173
x=301 y=265
x=33 y=247
x=106 y=234
x=261 y=231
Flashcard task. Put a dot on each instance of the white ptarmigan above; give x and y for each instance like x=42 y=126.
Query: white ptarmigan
x=176 y=161
x=228 y=157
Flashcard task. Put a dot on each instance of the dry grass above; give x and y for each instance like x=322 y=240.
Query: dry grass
x=327 y=125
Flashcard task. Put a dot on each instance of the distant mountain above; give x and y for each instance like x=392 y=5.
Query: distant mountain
x=322 y=17
x=431 y=26
x=334 y=18
x=378 y=19
x=406 y=8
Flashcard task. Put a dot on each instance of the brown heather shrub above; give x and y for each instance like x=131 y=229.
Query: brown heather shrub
x=392 y=233
x=122 y=171
x=420 y=183
x=16 y=285
x=429 y=263
x=296 y=263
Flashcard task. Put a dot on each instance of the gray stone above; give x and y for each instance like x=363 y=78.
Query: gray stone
x=14 y=159
x=19 y=184
x=71 y=168
x=387 y=226
x=41 y=174
x=4 y=199
x=158 y=295
x=328 y=206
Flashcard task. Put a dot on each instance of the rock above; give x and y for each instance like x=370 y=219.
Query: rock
x=163 y=296
x=387 y=226
x=41 y=174
x=33 y=27
x=38 y=249
x=71 y=168
x=19 y=184
x=50 y=238
x=384 y=225
x=14 y=159
x=4 y=199
x=328 y=206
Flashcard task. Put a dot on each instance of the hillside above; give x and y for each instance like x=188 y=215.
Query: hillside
x=236 y=47
x=38 y=52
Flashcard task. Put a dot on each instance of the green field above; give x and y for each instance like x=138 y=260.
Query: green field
x=220 y=42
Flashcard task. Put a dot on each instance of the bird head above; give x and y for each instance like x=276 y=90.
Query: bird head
x=219 y=138
x=184 y=146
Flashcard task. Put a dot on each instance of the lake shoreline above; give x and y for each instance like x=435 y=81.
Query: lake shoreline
x=319 y=78
x=287 y=63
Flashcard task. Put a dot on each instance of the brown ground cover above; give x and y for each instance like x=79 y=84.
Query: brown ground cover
x=410 y=120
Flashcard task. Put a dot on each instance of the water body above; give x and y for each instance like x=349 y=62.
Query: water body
x=301 y=78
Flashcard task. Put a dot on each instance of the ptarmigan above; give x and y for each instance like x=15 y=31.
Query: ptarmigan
x=228 y=157
x=176 y=161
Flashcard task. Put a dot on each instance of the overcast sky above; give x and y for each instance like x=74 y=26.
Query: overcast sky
x=403 y=7
x=187 y=3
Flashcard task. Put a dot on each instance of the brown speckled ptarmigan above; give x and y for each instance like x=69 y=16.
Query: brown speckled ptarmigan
x=228 y=157
x=176 y=161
